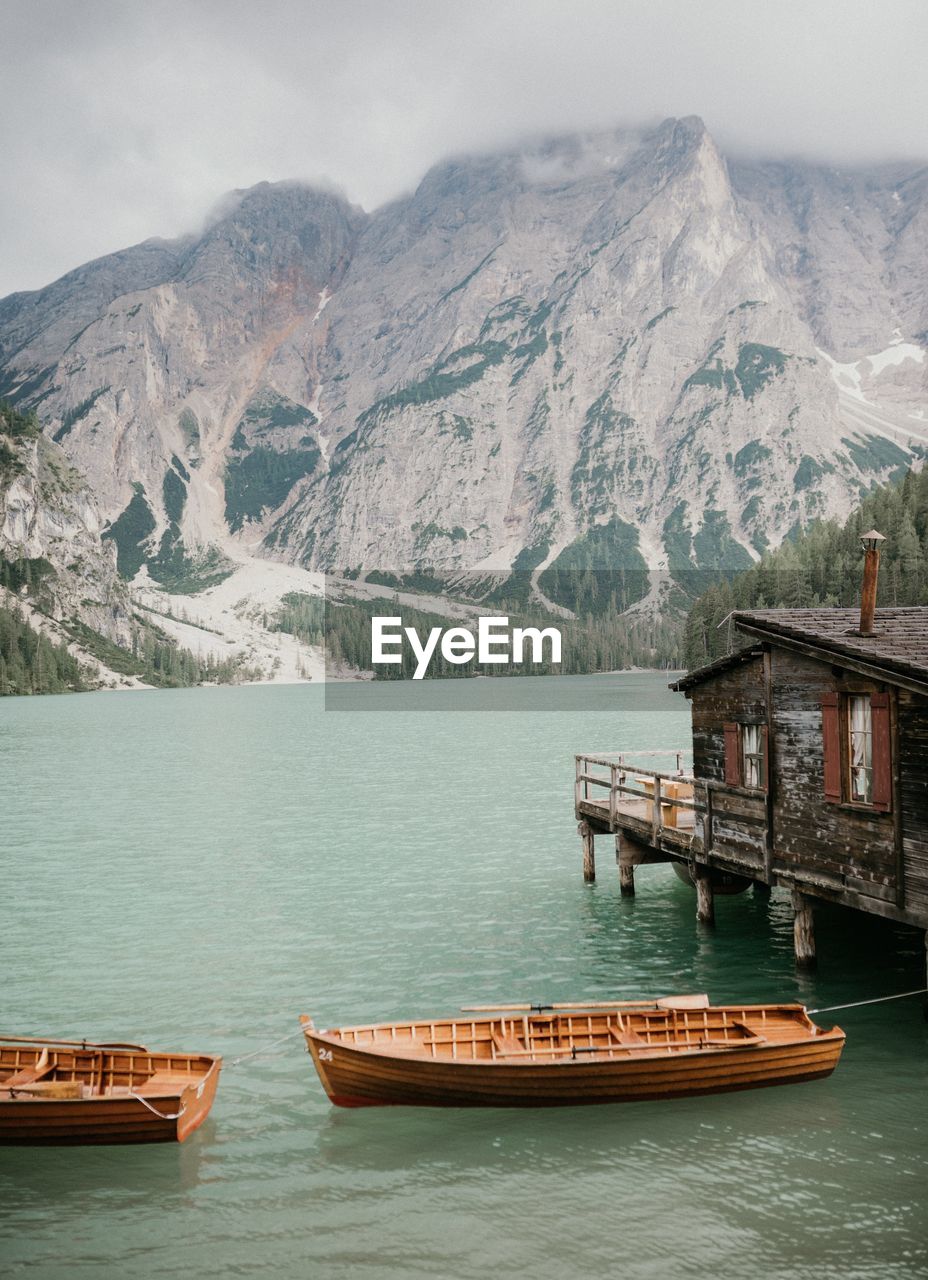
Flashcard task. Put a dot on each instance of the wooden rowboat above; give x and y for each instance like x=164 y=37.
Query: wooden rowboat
x=63 y=1091
x=544 y=1056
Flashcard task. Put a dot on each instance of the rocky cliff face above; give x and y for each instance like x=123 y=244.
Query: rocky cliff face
x=617 y=348
x=152 y=369
x=51 y=549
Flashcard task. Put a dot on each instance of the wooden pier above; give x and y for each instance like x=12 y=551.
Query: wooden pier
x=669 y=817
x=810 y=772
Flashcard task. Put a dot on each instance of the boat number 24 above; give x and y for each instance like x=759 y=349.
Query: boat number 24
x=325 y=1055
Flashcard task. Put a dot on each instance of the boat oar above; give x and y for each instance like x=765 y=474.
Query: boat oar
x=78 y=1044
x=540 y=1008
x=691 y=1001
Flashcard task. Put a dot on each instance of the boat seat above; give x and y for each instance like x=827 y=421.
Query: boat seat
x=506 y=1044
x=744 y=1037
x=45 y=1089
x=29 y=1075
x=166 y=1082
x=626 y=1036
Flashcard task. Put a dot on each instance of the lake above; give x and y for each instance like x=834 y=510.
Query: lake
x=195 y=868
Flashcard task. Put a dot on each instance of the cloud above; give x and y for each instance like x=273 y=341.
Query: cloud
x=126 y=121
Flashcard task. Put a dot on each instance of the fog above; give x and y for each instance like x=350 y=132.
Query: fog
x=123 y=121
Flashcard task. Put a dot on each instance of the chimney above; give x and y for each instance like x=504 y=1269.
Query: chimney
x=871 y=543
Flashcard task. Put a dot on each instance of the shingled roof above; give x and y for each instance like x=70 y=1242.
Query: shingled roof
x=898 y=646
x=716 y=667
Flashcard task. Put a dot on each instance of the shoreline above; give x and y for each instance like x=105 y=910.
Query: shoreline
x=361 y=678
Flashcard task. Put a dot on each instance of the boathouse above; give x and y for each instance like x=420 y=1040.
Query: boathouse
x=810 y=770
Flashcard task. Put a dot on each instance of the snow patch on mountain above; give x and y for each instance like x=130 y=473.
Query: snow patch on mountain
x=895 y=354
x=236 y=619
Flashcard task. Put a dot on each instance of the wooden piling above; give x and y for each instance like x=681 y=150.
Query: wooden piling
x=705 y=898
x=589 y=855
x=803 y=931
x=626 y=869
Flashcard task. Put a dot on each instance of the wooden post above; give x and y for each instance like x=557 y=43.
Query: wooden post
x=589 y=856
x=656 y=813
x=898 y=832
x=705 y=898
x=769 y=777
x=626 y=869
x=803 y=931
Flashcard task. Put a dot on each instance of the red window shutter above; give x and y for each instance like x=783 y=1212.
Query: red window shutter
x=831 y=746
x=764 y=760
x=732 y=756
x=882 y=752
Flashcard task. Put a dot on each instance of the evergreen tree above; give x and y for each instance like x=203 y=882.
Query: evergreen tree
x=824 y=567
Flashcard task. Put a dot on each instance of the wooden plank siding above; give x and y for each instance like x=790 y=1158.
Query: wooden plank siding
x=739 y=832
x=835 y=840
x=875 y=859
x=913 y=787
x=738 y=822
x=731 y=695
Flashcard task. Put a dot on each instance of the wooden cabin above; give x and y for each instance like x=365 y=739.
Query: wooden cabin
x=810 y=769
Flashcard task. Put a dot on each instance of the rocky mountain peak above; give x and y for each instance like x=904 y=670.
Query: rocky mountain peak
x=276 y=238
x=618 y=331
x=282 y=222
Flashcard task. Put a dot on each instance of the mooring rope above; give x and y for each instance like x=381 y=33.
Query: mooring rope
x=832 y=1008
x=291 y=1035
x=154 y=1110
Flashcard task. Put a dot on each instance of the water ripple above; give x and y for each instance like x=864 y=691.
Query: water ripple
x=196 y=868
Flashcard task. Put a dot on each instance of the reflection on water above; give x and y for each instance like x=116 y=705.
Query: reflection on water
x=72 y=1179
x=195 y=869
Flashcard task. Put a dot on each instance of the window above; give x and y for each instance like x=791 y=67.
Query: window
x=860 y=748
x=752 y=756
x=856 y=744
x=746 y=756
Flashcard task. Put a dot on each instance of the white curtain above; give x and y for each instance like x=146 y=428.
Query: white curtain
x=860 y=744
x=751 y=750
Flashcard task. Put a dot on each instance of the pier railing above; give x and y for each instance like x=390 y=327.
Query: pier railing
x=728 y=821
x=618 y=776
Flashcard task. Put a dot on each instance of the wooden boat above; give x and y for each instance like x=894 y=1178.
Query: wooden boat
x=65 y=1091
x=561 y=1055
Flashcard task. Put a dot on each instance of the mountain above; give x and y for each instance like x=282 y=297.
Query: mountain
x=620 y=348
x=54 y=567
x=68 y=619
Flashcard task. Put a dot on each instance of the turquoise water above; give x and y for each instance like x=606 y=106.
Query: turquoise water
x=196 y=868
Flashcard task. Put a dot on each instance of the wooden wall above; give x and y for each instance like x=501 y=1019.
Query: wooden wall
x=738 y=839
x=854 y=851
x=913 y=733
x=853 y=847
x=731 y=695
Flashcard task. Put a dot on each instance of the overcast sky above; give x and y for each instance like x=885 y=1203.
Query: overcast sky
x=124 y=119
